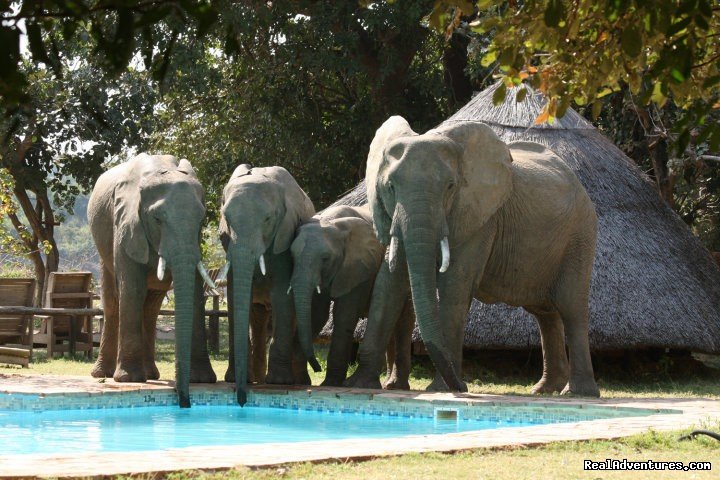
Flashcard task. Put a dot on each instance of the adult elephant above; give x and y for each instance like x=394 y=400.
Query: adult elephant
x=261 y=208
x=520 y=228
x=145 y=217
x=336 y=257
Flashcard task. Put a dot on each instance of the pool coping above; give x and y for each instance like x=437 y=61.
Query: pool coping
x=694 y=412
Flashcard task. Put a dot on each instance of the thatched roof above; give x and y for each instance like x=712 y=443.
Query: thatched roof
x=653 y=283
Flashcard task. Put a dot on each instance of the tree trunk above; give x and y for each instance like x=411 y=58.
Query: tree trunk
x=657 y=146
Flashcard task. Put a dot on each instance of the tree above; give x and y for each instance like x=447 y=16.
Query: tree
x=114 y=29
x=305 y=86
x=62 y=138
x=655 y=63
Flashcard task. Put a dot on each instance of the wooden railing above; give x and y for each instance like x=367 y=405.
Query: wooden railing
x=73 y=313
x=85 y=311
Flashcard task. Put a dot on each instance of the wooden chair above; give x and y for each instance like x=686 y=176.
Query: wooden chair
x=16 y=330
x=67 y=333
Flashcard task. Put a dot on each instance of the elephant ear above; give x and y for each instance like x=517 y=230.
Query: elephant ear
x=394 y=127
x=128 y=225
x=298 y=209
x=185 y=167
x=363 y=255
x=484 y=171
x=242 y=170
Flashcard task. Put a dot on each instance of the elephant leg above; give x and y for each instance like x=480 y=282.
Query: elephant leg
x=257 y=364
x=386 y=304
x=132 y=289
x=107 y=357
x=201 y=370
x=230 y=372
x=151 y=309
x=555 y=362
x=571 y=300
x=280 y=369
x=345 y=318
x=399 y=368
x=575 y=320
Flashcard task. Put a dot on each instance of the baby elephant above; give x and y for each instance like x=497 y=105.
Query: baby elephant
x=336 y=257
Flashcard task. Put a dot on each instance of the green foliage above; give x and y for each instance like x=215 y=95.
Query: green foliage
x=693 y=173
x=114 y=29
x=57 y=143
x=581 y=51
x=305 y=87
x=9 y=243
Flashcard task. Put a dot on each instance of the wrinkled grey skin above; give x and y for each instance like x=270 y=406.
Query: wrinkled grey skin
x=337 y=253
x=261 y=209
x=521 y=230
x=148 y=207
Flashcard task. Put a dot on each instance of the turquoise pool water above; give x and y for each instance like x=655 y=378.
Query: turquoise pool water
x=157 y=428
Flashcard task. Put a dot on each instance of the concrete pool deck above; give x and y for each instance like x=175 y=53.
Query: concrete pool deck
x=693 y=412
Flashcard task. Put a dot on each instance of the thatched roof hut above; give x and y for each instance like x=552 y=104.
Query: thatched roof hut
x=653 y=283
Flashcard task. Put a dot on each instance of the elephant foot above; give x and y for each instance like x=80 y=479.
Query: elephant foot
x=362 y=380
x=152 y=372
x=393 y=383
x=332 y=382
x=127 y=374
x=102 y=369
x=584 y=388
x=202 y=373
x=278 y=376
x=437 y=385
x=549 y=385
x=300 y=379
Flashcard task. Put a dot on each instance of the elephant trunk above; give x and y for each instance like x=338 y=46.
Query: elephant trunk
x=243 y=268
x=303 y=307
x=184 y=278
x=420 y=239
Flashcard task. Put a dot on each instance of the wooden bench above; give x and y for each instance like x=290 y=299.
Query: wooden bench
x=72 y=331
x=16 y=329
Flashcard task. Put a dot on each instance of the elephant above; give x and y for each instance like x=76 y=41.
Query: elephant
x=336 y=257
x=261 y=209
x=145 y=216
x=521 y=229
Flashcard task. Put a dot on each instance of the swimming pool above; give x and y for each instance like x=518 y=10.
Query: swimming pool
x=157 y=428
x=147 y=421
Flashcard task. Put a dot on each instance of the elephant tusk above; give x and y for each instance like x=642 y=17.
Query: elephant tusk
x=392 y=253
x=205 y=276
x=289 y=289
x=445 y=249
x=318 y=288
x=161 y=268
x=223 y=272
x=262 y=264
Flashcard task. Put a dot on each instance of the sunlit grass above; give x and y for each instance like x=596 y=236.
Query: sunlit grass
x=559 y=461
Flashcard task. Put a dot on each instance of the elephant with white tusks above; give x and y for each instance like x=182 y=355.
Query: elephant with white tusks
x=466 y=215
x=261 y=208
x=145 y=216
x=336 y=257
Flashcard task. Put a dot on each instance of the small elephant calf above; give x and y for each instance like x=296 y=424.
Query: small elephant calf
x=336 y=258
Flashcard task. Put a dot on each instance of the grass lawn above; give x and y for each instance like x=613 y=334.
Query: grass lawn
x=635 y=376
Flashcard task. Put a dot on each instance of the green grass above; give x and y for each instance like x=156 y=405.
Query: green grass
x=635 y=376
x=503 y=373
x=560 y=460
